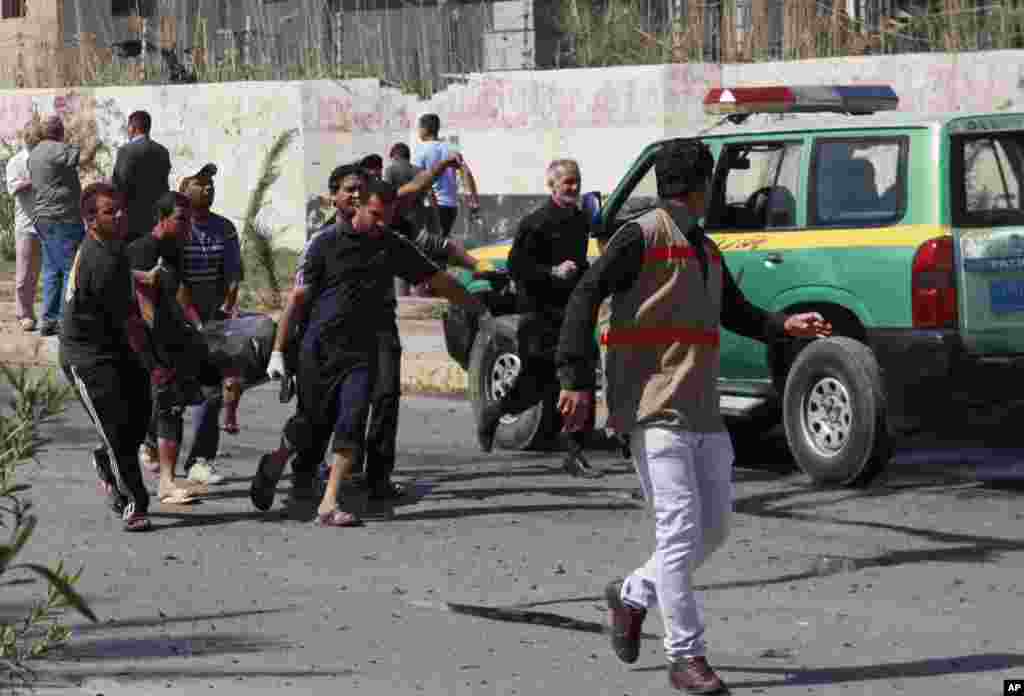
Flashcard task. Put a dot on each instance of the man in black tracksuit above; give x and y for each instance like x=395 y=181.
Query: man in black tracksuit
x=101 y=341
x=548 y=257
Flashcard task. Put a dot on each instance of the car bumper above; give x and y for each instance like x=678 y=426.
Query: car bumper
x=926 y=372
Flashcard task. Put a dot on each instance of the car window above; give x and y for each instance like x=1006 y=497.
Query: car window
x=757 y=186
x=858 y=182
x=644 y=194
x=991 y=178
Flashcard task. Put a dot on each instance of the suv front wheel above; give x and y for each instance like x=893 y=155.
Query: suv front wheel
x=493 y=365
x=834 y=412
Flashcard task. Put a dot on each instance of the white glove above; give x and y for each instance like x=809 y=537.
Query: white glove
x=275 y=369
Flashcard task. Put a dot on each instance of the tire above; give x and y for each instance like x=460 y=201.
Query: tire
x=849 y=446
x=493 y=361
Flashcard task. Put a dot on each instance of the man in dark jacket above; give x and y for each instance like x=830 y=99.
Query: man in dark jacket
x=140 y=174
x=548 y=257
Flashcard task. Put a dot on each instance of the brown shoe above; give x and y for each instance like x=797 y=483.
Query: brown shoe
x=624 y=623
x=695 y=676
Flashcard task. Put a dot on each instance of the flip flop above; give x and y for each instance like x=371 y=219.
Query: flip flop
x=178 y=497
x=137 y=523
x=338 y=518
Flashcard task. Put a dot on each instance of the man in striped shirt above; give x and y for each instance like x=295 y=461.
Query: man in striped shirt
x=212 y=269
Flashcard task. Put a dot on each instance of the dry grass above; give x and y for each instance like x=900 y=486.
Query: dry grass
x=809 y=29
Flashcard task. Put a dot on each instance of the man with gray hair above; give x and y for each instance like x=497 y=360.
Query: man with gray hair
x=28 y=254
x=53 y=170
x=548 y=257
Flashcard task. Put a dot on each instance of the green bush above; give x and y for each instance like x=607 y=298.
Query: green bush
x=41 y=629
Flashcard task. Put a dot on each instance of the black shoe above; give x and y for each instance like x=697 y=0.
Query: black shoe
x=49 y=328
x=624 y=623
x=385 y=489
x=490 y=419
x=575 y=464
x=264 y=483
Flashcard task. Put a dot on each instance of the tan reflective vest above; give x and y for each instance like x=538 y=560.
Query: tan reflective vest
x=663 y=336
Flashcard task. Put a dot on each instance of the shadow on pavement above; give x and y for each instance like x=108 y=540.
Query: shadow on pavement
x=932 y=667
x=148 y=674
x=961 y=548
x=148 y=621
x=195 y=519
x=144 y=647
x=509 y=510
x=526 y=616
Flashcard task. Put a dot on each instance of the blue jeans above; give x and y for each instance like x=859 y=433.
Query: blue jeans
x=60 y=242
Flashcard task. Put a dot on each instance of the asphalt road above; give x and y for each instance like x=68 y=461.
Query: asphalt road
x=490 y=581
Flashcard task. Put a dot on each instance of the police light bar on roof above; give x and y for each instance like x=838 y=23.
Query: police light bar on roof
x=847 y=99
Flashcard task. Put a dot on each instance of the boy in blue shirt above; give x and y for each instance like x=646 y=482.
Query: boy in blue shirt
x=446 y=187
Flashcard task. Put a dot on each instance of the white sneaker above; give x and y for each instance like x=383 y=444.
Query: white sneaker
x=203 y=471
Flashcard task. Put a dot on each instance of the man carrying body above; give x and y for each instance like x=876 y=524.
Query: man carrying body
x=182 y=358
x=53 y=168
x=671 y=290
x=211 y=273
x=548 y=258
x=346 y=272
x=102 y=339
x=140 y=173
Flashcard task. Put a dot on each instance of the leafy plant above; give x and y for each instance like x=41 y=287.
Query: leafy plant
x=41 y=629
x=257 y=238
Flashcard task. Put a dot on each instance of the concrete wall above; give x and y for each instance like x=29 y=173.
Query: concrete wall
x=508 y=124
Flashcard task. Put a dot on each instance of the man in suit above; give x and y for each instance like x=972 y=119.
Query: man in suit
x=140 y=174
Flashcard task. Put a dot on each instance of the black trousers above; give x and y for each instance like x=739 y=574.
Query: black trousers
x=116 y=395
x=382 y=433
x=446 y=217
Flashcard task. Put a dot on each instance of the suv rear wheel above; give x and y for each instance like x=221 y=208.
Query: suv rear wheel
x=834 y=412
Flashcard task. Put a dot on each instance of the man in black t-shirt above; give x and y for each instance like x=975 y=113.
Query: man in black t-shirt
x=347 y=272
x=101 y=342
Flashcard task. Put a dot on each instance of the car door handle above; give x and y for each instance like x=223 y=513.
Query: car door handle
x=773 y=259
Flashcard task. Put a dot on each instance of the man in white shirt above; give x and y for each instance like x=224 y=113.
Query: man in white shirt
x=28 y=249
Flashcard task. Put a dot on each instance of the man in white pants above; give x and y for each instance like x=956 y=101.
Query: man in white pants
x=671 y=291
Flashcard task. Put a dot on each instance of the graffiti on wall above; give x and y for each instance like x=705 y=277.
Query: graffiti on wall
x=498 y=102
x=386 y=110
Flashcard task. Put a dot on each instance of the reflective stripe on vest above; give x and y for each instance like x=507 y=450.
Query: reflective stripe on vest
x=654 y=336
x=677 y=251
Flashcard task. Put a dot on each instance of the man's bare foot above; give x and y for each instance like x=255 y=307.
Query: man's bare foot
x=176 y=495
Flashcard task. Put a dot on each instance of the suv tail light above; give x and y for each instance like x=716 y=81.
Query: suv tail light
x=933 y=286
